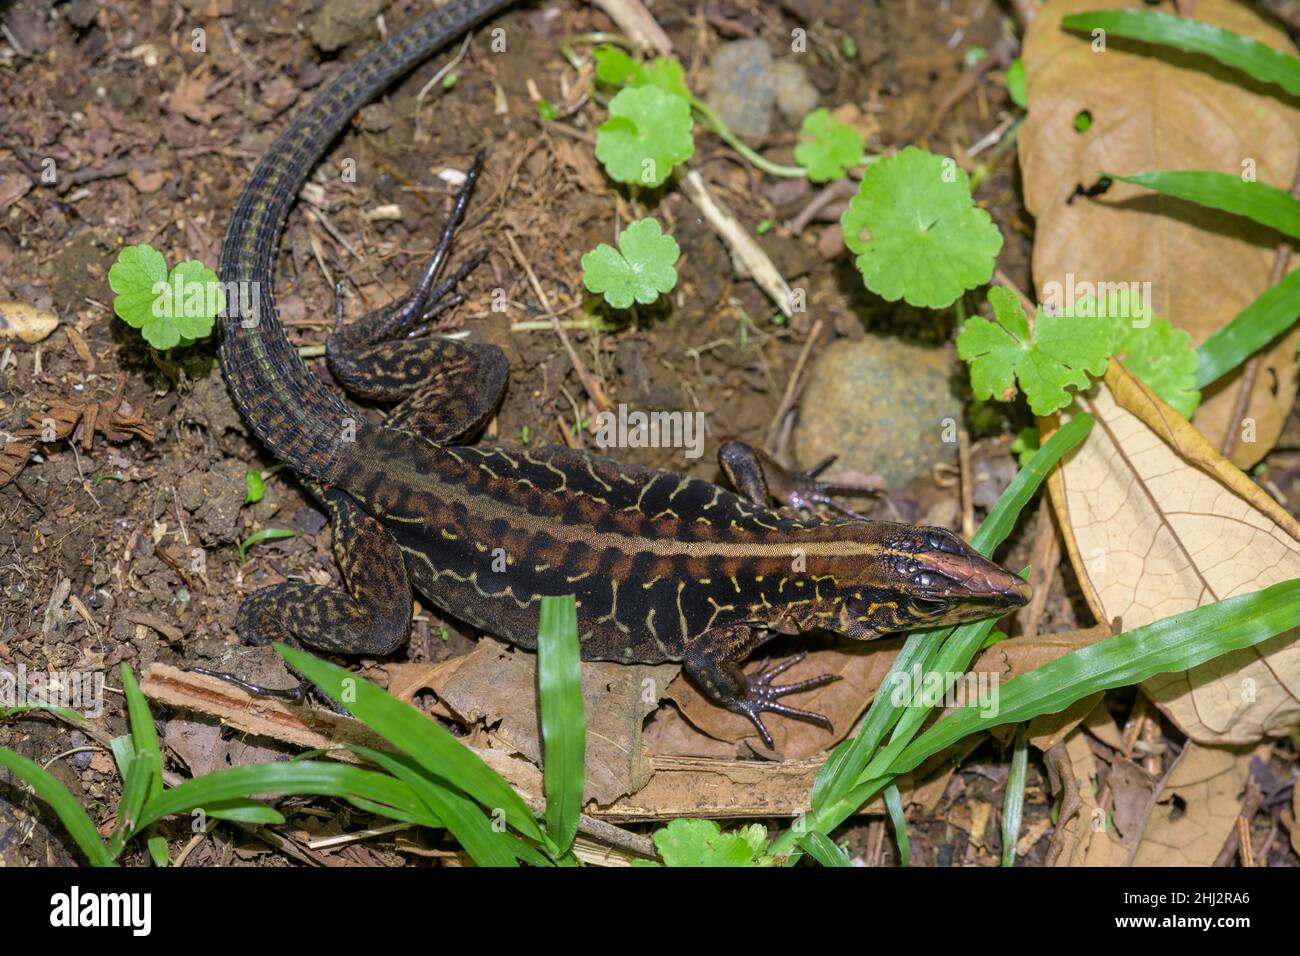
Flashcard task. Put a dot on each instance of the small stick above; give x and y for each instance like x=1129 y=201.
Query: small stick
x=596 y=393
x=967 y=495
x=840 y=189
x=749 y=252
x=632 y=18
x=787 y=400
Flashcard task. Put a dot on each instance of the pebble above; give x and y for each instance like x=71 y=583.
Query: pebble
x=742 y=89
x=796 y=97
x=881 y=405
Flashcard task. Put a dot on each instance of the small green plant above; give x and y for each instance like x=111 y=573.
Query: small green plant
x=1016 y=83
x=639 y=270
x=1063 y=349
x=266 y=534
x=702 y=843
x=828 y=146
x=648 y=133
x=916 y=231
x=254 y=487
x=169 y=309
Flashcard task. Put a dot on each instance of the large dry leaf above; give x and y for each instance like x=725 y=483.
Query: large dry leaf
x=497 y=683
x=1154 y=109
x=1155 y=523
x=1196 y=808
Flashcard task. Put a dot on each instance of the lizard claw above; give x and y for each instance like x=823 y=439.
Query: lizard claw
x=806 y=492
x=761 y=695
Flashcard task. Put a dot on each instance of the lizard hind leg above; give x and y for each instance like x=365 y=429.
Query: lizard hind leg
x=371 y=615
x=713 y=660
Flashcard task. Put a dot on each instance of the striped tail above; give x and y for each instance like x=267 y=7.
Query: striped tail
x=294 y=413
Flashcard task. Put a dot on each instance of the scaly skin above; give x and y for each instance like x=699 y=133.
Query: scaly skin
x=664 y=567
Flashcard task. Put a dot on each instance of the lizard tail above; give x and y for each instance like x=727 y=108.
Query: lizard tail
x=292 y=411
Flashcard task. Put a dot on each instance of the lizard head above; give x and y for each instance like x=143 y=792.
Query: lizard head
x=925 y=577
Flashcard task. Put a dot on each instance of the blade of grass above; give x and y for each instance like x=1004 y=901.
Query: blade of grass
x=820 y=847
x=1013 y=804
x=559 y=686
x=373 y=791
x=65 y=806
x=244 y=810
x=894 y=804
x=1174 y=644
x=1257 y=201
x=415 y=734
x=846 y=763
x=1259 y=323
x=1255 y=59
x=144 y=736
x=462 y=816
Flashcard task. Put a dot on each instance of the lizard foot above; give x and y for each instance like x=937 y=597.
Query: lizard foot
x=806 y=490
x=295 y=695
x=761 y=695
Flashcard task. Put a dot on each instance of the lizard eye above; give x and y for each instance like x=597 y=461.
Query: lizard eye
x=927 y=606
x=941 y=540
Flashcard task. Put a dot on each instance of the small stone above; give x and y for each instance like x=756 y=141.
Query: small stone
x=26 y=322
x=741 y=88
x=796 y=97
x=880 y=405
x=340 y=22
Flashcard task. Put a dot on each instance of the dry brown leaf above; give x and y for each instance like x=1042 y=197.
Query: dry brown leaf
x=19 y=320
x=497 y=683
x=1085 y=839
x=1155 y=523
x=1156 y=109
x=1196 y=808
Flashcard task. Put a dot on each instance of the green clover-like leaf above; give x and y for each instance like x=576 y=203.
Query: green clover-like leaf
x=1150 y=347
x=639 y=270
x=917 y=232
x=169 y=310
x=702 y=843
x=648 y=133
x=1060 y=353
x=828 y=146
x=617 y=68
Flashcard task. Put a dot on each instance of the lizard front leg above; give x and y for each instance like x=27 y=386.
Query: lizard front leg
x=713 y=660
x=760 y=478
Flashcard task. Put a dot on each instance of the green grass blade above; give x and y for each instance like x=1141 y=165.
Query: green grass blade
x=1259 y=323
x=1257 y=60
x=1265 y=204
x=243 y=810
x=820 y=847
x=842 y=770
x=1013 y=805
x=1174 y=644
x=894 y=804
x=559 y=686
x=373 y=791
x=462 y=816
x=148 y=762
x=65 y=806
x=413 y=733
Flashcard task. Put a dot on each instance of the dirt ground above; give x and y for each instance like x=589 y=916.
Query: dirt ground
x=154 y=143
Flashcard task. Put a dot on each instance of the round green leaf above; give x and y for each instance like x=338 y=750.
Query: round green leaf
x=916 y=230
x=648 y=133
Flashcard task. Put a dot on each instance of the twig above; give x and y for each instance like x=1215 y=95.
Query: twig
x=634 y=20
x=791 y=387
x=838 y=190
x=965 y=83
x=749 y=252
x=594 y=391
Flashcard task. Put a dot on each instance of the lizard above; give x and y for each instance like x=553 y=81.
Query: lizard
x=663 y=567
